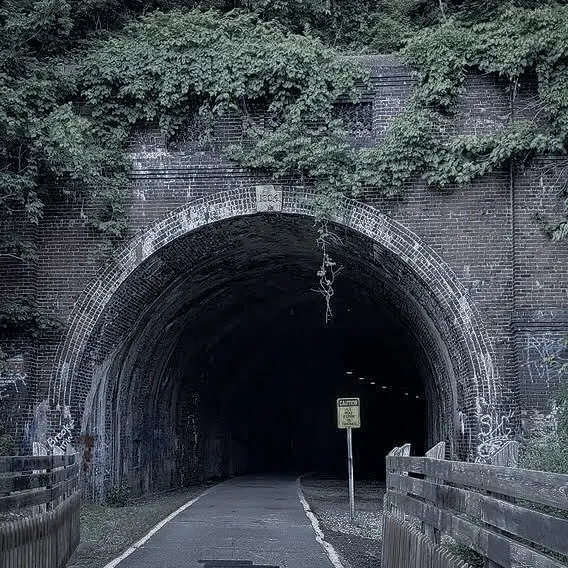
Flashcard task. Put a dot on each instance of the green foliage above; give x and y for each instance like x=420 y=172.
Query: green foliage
x=547 y=455
x=465 y=554
x=562 y=403
x=76 y=77
x=21 y=314
x=408 y=149
x=511 y=40
x=547 y=447
x=118 y=496
x=15 y=246
x=439 y=57
x=67 y=106
x=48 y=147
x=420 y=143
x=373 y=26
x=7 y=447
x=168 y=65
x=474 y=11
x=464 y=158
x=392 y=23
x=318 y=154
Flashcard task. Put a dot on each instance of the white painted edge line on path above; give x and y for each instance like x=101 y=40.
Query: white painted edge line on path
x=153 y=531
x=329 y=550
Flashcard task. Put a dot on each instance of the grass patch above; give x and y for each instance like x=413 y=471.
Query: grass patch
x=464 y=553
x=106 y=531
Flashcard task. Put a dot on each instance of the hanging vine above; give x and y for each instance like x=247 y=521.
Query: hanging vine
x=328 y=270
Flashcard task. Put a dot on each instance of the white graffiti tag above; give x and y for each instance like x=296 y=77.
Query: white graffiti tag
x=543 y=357
x=494 y=431
x=58 y=444
x=10 y=383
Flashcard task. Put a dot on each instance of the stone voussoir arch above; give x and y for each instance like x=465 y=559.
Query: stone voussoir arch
x=364 y=219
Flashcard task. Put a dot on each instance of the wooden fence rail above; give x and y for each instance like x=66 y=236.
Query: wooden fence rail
x=39 y=511
x=514 y=518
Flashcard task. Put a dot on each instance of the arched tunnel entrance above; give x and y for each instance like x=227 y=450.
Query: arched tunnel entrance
x=231 y=367
x=213 y=358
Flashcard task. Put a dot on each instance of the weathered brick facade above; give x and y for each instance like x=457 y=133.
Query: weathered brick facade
x=465 y=283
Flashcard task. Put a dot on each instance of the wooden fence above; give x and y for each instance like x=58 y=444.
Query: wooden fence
x=39 y=511
x=513 y=518
x=404 y=546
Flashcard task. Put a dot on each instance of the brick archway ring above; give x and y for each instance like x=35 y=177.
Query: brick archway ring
x=364 y=219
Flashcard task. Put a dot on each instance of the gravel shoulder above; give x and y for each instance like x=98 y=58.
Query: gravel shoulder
x=359 y=542
x=108 y=531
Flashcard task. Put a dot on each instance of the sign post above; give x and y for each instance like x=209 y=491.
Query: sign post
x=349 y=417
x=351 y=477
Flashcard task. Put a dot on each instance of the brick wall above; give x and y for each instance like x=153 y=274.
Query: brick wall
x=469 y=272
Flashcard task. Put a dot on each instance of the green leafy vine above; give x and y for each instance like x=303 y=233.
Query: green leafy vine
x=513 y=44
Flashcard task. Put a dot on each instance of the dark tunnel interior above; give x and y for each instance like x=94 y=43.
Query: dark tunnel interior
x=281 y=404
x=215 y=359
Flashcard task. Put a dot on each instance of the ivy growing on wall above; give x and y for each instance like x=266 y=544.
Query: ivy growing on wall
x=514 y=44
x=67 y=107
x=517 y=42
x=77 y=77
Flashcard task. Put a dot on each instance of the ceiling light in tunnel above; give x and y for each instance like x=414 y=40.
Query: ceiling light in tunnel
x=348 y=372
x=361 y=378
x=384 y=387
x=373 y=383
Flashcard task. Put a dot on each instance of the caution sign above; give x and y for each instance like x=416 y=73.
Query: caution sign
x=348 y=413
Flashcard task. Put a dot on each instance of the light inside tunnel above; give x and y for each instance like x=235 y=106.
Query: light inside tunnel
x=214 y=359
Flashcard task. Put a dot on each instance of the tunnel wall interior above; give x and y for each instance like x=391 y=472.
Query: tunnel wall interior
x=214 y=359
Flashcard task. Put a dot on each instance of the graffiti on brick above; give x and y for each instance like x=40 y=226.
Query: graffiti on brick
x=13 y=379
x=58 y=443
x=542 y=357
x=494 y=429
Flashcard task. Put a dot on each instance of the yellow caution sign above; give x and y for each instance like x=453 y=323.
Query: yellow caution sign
x=348 y=413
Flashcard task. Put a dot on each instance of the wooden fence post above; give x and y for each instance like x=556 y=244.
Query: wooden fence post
x=405 y=450
x=387 y=505
x=508 y=456
x=491 y=508
x=438 y=452
x=395 y=452
x=39 y=450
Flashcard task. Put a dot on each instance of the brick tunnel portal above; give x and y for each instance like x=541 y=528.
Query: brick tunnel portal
x=214 y=359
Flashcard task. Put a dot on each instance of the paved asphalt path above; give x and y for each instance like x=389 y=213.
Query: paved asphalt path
x=258 y=521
